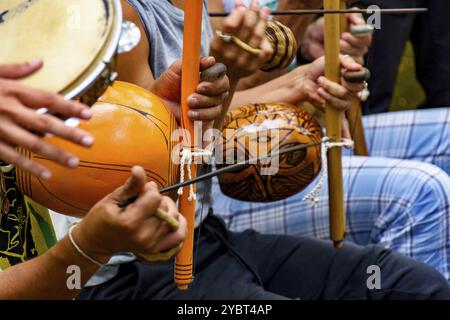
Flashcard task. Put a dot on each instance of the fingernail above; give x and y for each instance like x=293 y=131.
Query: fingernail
x=201 y=89
x=265 y=12
x=86 y=114
x=46 y=175
x=321 y=80
x=73 y=162
x=72 y=122
x=35 y=63
x=42 y=111
x=193 y=100
x=87 y=141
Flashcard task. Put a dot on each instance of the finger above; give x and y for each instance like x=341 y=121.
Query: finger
x=317 y=101
x=349 y=63
x=145 y=206
x=177 y=66
x=170 y=209
x=173 y=239
x=208 y=114
x=154 y=230
x=214 y=73
x=10 y=155
x=215 y=88
x=239 y=4
x=20 y=137
x=357 y=42
x=345 y=128
x=259 y=32
x=133 y=186
x=45 y=123
x=34 y=98
x=251 y=19
x=199 y=101
x=336 y=103
x=350 y=50
x=168 y=218
x=316 y=49
x=233 y=22
x=333 y=88
x=206 y=63
x=352 y=86
x=19 y=71
x=356 y=18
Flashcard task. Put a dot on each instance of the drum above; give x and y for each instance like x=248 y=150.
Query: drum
x=77 y=40
x=131 y=126
x=259 y=130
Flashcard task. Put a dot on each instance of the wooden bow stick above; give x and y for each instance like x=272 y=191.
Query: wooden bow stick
x=334 y=11
x=354 y=114
x=190 y=78
x=333 y=119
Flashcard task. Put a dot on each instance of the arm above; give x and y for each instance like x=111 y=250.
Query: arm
x=355 y=46
x=133 y=67
x=106 y=229
x=21 y=125
x=45 y=277
x=297 y=24
x=304 y=84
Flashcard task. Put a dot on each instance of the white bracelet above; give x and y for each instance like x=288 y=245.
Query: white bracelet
x=81 y=251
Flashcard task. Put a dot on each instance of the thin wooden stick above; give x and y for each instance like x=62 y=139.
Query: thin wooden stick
x=333 y=119
x=354 y=114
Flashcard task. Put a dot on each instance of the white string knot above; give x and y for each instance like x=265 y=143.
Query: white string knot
x=314 y=194
x=186 y=160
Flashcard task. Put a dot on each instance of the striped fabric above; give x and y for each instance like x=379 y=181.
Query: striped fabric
x=399 y=204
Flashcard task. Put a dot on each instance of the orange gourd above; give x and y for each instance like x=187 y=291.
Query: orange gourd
x=131 y=126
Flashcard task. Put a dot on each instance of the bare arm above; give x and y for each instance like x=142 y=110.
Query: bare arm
x=133 y=66
x=45 y=277
x=106 y=229
x=288 y=88
x=305 y=84
x=298 y=24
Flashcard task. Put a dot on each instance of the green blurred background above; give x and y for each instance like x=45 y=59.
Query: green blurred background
x=408 y=93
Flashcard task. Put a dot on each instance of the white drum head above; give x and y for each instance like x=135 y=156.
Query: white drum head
x=66 y=34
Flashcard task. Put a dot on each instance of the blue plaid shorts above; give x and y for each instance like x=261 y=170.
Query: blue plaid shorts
x=399 y=197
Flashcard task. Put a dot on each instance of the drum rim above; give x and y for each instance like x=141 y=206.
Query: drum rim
x=104 y=58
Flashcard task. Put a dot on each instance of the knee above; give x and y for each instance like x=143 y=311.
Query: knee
x=405 y=278
x=426 y=188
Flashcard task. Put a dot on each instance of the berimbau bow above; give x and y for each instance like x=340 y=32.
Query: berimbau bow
x=333 y=119
x=190 y=78
x=354 y=114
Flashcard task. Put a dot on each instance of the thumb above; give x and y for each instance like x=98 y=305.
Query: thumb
x=133 y=186
x=19 y=71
